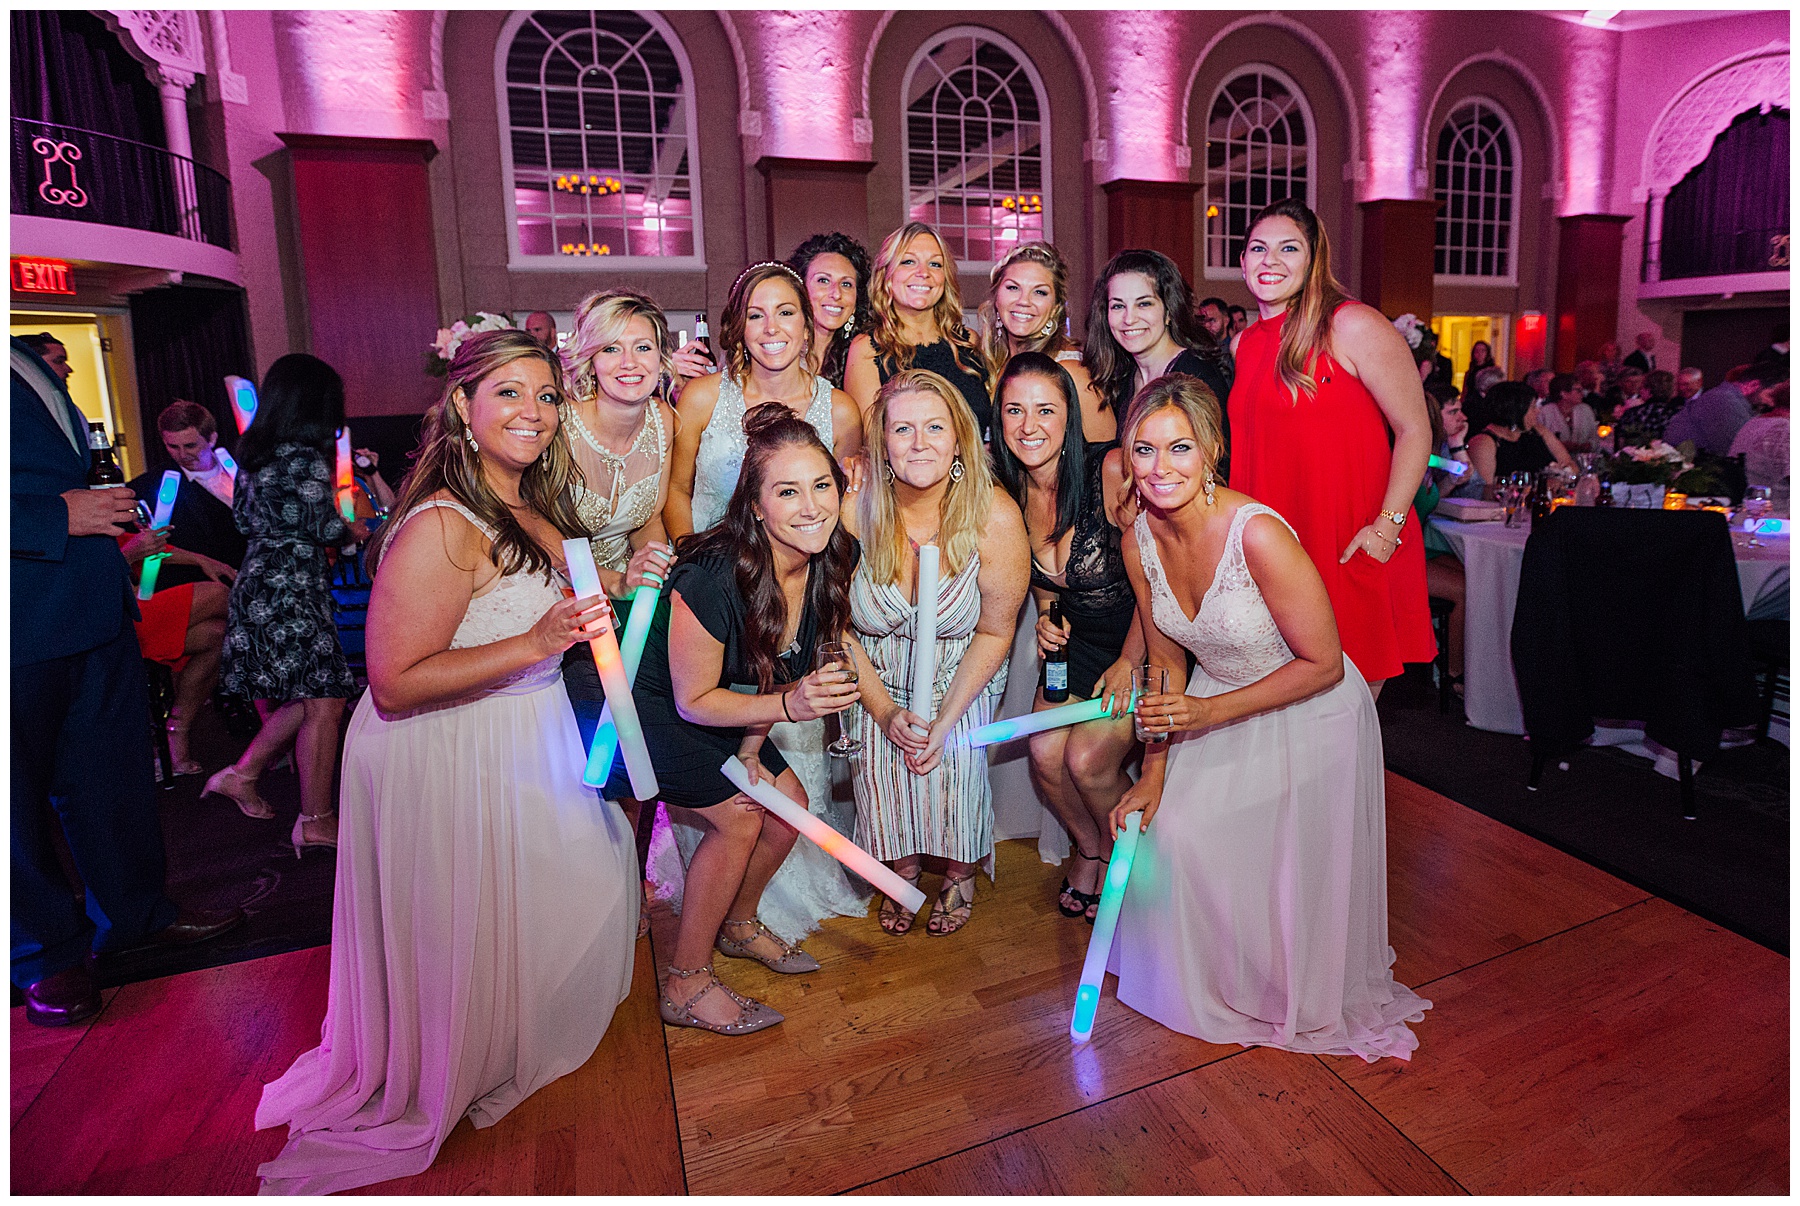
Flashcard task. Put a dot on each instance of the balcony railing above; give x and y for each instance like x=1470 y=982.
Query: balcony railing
x=84 y=176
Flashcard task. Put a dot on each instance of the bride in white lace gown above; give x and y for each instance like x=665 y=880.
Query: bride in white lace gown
x=765 y=340
x=1257 y=908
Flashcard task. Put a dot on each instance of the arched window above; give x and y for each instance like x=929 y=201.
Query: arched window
x=1259 y=150
x=599 y=146
x=977 y=144
x=1477 y=193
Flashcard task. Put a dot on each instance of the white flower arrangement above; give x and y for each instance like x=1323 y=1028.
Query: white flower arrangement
x=1412 y=329
x=1655 y=451
x=450 y=338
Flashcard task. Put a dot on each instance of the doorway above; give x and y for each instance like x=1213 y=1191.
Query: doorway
x=91 y=384
x=1457 y=333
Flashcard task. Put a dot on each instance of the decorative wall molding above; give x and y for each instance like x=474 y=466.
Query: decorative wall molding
x=1524 y=74
x=1684 y=132
x=229 y=85
x=165 y=40
x=436 y=100
x=868 y=111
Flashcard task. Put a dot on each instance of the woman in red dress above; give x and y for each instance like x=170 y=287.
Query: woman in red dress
x=1329 y=427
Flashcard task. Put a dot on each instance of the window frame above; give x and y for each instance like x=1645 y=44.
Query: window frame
x=518 y=261
x=1511 y=277
x=920 y=53
x=1232 y=272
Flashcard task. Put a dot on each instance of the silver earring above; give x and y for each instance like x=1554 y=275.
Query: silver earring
x=470 y=436
x=1207 y=486
x=850 y=324
x=890 y=471
x=956 y=470
x=1049 y=328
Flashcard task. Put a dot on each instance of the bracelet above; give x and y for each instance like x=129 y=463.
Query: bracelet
x=1458 y=448
x=1393 y=540
x=784 y=709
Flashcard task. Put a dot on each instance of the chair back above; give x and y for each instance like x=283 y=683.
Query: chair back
x=350 y=587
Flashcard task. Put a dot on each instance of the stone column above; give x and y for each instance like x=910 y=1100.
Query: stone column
x=171 y=86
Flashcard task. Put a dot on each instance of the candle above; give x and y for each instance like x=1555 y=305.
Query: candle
x=584 y=576
x=1038 y=722
x=1106 y=920
x=166 y=491
x=631 y=649
x=346 y=476
x=243 y=400
x=925 y=636
x=825 y=837
x=1673 y=501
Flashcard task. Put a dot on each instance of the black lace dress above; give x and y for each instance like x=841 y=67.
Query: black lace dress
x=1094 y=594
x=281 y=639
x=942 y=358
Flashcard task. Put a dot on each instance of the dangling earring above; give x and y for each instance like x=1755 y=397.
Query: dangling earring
x=850 y=323
x=470 y=436
x=956 y=469
x=889 y=469
x=1049 y=327
x=1207 y=486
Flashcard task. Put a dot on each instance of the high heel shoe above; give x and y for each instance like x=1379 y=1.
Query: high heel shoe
x=181 y=766
x=1083 y=900
x=299 y=838
x=245 y=797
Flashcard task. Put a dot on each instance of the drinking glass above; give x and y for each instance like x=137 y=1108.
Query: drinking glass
x=835 y=655
x=1757 y=505
x=1148 y=680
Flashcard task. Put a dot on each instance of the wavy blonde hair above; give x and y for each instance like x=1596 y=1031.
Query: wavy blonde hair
x=966 y=502
x=1189 y=395
x=947 y=314
x=996 y=339
x=600 y=319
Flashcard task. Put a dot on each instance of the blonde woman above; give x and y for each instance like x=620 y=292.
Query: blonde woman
x=919 y=789
x=1026 y=311
x=918 y=323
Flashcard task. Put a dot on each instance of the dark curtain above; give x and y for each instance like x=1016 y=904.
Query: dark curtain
x=187 y=341
x=1730 y=214
x=68 y=68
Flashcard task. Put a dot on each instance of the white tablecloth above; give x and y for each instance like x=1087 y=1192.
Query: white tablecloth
x=1491 y=554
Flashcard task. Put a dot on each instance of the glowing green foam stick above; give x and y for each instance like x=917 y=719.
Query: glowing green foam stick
x=584 y=576
x=1038 y=722
x=166 y=491
x=1106 y=920
x=631 y=648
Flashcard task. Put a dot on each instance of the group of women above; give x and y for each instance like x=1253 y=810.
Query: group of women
x=779 y=498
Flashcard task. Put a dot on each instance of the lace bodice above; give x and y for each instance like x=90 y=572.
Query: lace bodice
x=619 y=495
x=510 y=607
x=1093 y=582
x=1233 y=636
x=721 y=453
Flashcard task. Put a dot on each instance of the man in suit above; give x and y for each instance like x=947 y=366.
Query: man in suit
x=201 y=522
x=1644 y=359
x=80 y=719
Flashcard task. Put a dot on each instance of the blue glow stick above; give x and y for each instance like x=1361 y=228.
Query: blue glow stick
x=1106 y=920
x=1038 y=722
x=243 y=401
x=225 y=462
x=631 y=649
x=1453 y=468
x=165 y=505
x=584 y=576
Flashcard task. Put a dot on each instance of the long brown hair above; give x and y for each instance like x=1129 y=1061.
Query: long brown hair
x=1305 y=336
x=743 y=543
x=886 y=334
x=998 y=342
x=1113 y=368
x=733 y=347
x=966 y=502
x=446 y=461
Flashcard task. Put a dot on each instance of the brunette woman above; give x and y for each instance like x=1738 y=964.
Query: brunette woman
x=1329 y=427
x=1072 y=497
x=835 y=269
x=1027 y=311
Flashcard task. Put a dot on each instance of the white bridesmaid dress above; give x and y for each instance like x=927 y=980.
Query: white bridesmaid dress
x=484 y=925
x=1257 y=908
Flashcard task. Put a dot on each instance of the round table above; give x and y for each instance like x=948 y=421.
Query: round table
x=1491 y=554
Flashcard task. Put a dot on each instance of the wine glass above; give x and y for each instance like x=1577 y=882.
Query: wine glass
x=835 y=655
x=1758 y=502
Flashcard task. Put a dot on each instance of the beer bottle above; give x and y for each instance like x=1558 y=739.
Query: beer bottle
x=103 y=471
x=1056 y=665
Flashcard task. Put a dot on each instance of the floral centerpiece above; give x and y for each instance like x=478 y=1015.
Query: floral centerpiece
x=1411 y=329
x=1652 y=464
x=450 y=338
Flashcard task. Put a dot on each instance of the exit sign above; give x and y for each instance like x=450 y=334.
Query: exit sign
x=41 y=276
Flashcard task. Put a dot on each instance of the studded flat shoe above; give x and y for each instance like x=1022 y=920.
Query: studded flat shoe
x=791 y=962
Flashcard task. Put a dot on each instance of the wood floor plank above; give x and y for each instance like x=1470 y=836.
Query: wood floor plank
x=1645 y=1052
x=38 y=1051
x=1260 y=1122
x=1462 y=887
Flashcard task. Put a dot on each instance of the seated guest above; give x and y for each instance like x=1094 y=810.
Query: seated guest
x=1763 y=440
x=201 y=522
x=1453 y=444
x=1627 y=393
x=1435 y=371
x=1539 y=381
x=1650 y=418
x=1567 y=417
x=1477 y=384
x=1512 y=440
x=1444 y=577
x=1688 y=384
x=1712 y=419
x=1215 y=316
x=1587 y=372
x=182 y=627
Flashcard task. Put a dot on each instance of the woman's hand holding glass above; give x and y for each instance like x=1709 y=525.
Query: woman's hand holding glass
x=825 y=692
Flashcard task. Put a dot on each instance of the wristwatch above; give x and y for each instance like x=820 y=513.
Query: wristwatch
x=1458 y=448
x=1399 y=517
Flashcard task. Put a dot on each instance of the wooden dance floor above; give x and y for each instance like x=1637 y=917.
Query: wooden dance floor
x=1586 y=1038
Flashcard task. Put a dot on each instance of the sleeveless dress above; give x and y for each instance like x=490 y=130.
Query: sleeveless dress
x=941 y=358
x=484 y=923
x=949 y=812
x=1256 y=912
x=810 y=885
x=1323 y=463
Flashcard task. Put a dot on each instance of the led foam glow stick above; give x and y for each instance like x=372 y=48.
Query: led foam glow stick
x=825 y=837
x=1038 y=722
x=346 y=477
x=165 y=503
x=243 y=400
x=225 y=462
x=1106 y=920
x=631 y=649
x=925 y=635
x=584 y=576
x=1453 y=468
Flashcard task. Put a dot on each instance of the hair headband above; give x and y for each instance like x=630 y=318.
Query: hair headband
x=769 y=264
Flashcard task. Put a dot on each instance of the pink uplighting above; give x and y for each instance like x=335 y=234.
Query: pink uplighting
x=1144 y=74
x=1395 y=54
x=810 y=66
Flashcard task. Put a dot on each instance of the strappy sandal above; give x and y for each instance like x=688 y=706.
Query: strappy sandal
x=953 y=908
x=1083 y=900
x=244 y=795
x=1093 y=902
x=752 y=1015
x=895 y=918
x=791 y=962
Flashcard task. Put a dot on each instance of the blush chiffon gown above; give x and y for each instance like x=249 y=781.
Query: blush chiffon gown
x=1257 y=907
x=484 y=925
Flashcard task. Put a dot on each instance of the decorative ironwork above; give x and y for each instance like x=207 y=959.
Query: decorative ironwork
x=54 y=152
x=121 y=183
